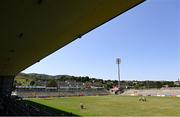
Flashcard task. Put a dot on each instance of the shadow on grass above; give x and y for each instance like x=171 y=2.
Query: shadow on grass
x=50 y=111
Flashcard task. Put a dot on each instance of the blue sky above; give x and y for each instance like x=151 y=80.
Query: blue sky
x=146 y=38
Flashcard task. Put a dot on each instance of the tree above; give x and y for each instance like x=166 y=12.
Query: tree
x=32 y=83
x=52 y=83
x=158 y=84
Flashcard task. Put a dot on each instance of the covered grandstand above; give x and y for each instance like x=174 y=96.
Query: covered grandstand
x=33 y=29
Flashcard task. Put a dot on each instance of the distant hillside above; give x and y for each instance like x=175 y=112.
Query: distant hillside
x=38 y=76
x=23 y=79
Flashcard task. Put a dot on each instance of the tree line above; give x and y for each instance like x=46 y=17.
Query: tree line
x=52 y=81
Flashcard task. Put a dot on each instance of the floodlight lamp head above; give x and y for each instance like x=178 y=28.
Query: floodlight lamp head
x=118 y=61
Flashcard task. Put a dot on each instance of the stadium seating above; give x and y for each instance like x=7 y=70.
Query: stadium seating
x=61 y=92
x=153 y=92
x=12 y=107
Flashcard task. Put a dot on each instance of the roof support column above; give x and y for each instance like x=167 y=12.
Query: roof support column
x=6 y=85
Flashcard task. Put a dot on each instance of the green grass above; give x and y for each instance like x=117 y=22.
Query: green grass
x=115 y=105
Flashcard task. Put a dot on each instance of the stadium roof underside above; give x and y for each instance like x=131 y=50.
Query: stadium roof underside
x=32 y=29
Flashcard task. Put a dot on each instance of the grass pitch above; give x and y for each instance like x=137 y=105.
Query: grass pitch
x=115 y=105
